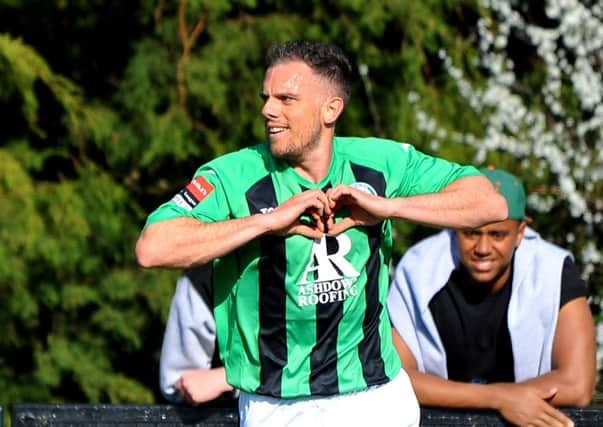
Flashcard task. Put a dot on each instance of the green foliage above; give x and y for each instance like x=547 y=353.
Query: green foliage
x=77 y=311
x=21 y=68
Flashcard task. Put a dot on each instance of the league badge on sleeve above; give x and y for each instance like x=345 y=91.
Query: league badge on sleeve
x=194 y=193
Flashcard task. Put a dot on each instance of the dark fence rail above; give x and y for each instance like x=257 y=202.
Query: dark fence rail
x=63 y=415
x=76 y=415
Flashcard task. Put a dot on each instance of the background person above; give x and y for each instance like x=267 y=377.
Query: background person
x=495 y=317
x=299 y=232
x=190 y=369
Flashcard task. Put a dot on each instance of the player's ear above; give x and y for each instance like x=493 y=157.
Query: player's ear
x=332 y=109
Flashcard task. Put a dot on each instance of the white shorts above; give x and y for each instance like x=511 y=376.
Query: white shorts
x=390 y=404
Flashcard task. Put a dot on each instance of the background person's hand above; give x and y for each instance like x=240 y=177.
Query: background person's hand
x=202 y=385
x=527 y=405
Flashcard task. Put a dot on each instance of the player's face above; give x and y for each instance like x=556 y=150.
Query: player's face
x=486 y=252
x=293 y=99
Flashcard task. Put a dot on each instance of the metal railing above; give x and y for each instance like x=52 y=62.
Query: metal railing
x=89 y=415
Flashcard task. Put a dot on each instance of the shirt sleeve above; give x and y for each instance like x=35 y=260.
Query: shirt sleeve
x=420 y=173
x=572 y=285
x=202 y=198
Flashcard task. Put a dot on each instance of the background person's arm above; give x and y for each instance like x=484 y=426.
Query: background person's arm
x=188 y=348
x=520 y=404
x=574 y=357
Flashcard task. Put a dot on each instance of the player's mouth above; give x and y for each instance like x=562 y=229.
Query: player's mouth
x=273 y=130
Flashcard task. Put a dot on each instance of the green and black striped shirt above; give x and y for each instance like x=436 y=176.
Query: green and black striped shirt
x=295 y=316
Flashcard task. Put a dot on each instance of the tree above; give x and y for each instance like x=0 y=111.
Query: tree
x=541 y=105
x=67 y=228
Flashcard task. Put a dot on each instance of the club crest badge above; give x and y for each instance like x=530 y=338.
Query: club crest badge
x=367 y=188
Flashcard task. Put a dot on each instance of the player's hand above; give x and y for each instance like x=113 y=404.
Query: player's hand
x=202 y=385
x=364 y=209
x=527 y=405
x=305 y=213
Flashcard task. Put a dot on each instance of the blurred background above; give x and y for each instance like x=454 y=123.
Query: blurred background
x=107 y=108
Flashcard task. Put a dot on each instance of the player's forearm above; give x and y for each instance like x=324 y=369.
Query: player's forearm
x=468 y=202
x=432 y=390
x=183 y=242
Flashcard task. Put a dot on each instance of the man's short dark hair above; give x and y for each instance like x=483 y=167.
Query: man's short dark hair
x=326 y=59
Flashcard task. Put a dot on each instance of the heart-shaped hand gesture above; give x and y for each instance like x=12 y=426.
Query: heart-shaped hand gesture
x=311 y=213
x=307 y=213
x=365 y=209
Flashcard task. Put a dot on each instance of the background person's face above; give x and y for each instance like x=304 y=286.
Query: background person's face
x=293 y=97
x=486 y=252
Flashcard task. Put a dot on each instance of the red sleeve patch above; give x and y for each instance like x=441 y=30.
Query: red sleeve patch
x=200 y=188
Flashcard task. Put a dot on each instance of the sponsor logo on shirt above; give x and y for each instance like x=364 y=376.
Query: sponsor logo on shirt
x=328 y=277
x=194 y=193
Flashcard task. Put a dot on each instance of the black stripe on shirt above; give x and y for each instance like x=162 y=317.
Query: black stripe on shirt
x=272 y=295
x=370 y=347
x=323 y=359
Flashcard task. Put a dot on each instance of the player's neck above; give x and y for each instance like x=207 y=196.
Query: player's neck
x=315 y=164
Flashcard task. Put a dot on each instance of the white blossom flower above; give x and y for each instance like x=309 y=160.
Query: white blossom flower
x=567 y=143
